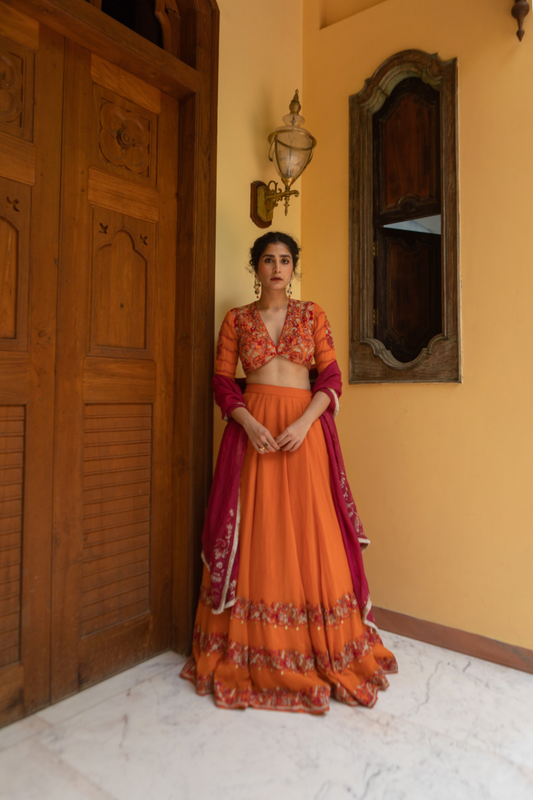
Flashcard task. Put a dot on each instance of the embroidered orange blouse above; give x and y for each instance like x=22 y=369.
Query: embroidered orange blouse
x=306 y=335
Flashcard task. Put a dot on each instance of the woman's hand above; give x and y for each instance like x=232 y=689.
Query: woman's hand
x=260 y=437
x=293 y=436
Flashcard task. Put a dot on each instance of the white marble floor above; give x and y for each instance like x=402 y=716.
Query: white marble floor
x=450 y=727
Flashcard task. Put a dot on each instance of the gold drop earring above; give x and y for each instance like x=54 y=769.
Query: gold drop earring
x=257 y=287
x=289 y=289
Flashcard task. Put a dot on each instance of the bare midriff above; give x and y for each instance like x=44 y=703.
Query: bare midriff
x=279 y=371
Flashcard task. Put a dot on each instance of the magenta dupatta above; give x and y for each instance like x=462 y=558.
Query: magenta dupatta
x=220 y=538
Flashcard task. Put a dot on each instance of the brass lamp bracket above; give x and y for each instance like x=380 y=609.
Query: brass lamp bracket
x=264 y=199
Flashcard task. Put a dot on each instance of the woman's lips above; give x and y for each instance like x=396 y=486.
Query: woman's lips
x=275 y=279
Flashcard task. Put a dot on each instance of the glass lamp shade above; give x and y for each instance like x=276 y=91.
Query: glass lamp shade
x=291 y=146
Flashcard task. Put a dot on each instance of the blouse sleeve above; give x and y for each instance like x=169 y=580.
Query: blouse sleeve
x=324 y=347
x=227 y=348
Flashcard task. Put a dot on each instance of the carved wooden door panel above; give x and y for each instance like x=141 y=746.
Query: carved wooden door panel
x=31 y=66
x=115 y=365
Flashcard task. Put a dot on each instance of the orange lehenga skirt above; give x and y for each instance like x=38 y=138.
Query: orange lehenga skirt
x=294 y=636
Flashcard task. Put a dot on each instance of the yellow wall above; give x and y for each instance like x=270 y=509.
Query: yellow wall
x=442 y=474
x=332 y=11
x=260 y=67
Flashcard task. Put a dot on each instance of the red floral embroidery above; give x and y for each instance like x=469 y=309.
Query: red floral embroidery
x=287 y=614
x=210 y=642
x=388 y=664
x=291 y=660
x=315 y=701
x=189 y=670
x=327 y=663
x=204 y=683
x=296 y=342
x=329 y=334
x=222 y=556
x=338 y=662
x=205 y=596
x=306 y=334
x=366 y=694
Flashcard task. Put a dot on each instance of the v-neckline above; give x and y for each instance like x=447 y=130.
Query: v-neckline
x=265 y=327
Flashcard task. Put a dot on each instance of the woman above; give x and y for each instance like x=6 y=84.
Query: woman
x=284 y=618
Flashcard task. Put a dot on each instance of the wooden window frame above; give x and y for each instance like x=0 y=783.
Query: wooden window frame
x=370 y=361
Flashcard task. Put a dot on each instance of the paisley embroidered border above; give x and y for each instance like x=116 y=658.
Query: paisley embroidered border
x=314 y=701
x=294 y=661
x=388 y=664
x=365 y=695
x=291 y=660
x=204 y=683
x=287 y=614
x=244 y=656
x=210 y=642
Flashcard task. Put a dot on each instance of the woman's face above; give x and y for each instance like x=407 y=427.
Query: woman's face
x=275 y=267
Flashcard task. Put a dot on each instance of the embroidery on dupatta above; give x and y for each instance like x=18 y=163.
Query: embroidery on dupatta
x=220 y=553
x=352 y=511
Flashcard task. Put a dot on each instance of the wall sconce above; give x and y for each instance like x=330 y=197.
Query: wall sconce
x=520 y=10
x=291 y=150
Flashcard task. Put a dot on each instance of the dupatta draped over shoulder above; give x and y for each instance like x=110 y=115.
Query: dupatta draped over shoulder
x=220 y=538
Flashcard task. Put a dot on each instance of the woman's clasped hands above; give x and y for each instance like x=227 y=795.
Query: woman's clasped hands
x=288 y=441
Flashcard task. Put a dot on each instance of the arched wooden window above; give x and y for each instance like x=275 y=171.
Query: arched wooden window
x=404 y=223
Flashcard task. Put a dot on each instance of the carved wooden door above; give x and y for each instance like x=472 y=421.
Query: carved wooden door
x=91 y=423
x=31 y=64
x=111 y=578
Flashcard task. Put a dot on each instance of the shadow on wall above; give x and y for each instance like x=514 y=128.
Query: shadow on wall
x=332 y=11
